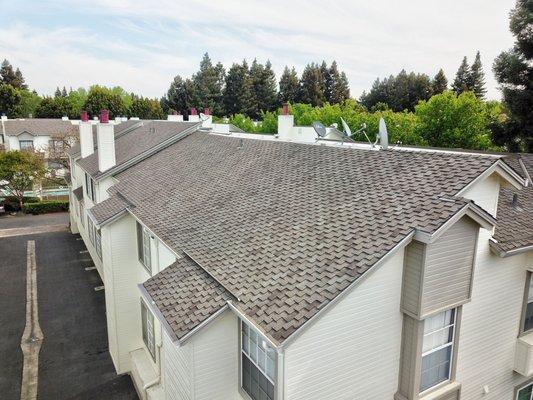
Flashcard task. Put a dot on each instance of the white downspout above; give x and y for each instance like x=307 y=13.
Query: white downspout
x=157 y=380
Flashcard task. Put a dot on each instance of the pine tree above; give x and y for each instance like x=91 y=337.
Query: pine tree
x=19 y=81
x=264 y=87
x=7 y=74
x=461 y=82
x=514 y=71
x=312 y=85
x=270 y=88
x=180 y=95
x=238 y=90
x=57 y=93
x=440 y=82
x=477 y=78
x=337 y=89
x=289 y=86
x=208 y=85
x=64 y=92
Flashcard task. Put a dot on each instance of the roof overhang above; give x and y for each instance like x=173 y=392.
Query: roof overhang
x=508 y=175
x=471 y=210
x=495 y=248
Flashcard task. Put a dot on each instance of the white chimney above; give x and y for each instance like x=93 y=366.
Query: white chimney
x=207 y=119
x=175 y=117
x=86 y=136
x=285 y=123
x=193 y=116
x=105 y=136
x=65 y=118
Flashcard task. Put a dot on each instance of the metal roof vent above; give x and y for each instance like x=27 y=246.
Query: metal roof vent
x=514 y=202
x=151 y=129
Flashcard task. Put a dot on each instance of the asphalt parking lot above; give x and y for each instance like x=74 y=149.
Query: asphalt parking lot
x=73 y=362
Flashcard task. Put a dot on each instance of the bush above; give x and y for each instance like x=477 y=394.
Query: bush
x=11 y=203
x=45 y=207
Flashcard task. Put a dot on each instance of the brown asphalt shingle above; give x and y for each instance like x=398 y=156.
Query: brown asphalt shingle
x=286 y=227
x=109 y=208
x=41 y=126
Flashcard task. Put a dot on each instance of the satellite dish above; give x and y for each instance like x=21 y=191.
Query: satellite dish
x=383 y=134
x=346 y=128
x=203 y=117
x=320 y=129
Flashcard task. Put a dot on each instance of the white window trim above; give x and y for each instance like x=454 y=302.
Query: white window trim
x=150 y=333
x=145 y=244
x=451 y=344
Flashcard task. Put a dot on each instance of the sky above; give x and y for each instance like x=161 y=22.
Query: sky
x=142 y=45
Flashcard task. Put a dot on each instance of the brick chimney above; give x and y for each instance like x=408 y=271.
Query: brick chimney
x=105 y=137
x=86 y=135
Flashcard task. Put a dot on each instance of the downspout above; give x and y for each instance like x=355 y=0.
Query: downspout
x=157 y=380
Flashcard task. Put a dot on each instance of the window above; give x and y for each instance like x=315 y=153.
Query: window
x=89 y=188
x=258 y=365
x=528 y=307
x=26 y=144
x=437 y=349
x=98 y=242
x=143 y=247
x=525 y=393
x=147 y=320
x=82 y=214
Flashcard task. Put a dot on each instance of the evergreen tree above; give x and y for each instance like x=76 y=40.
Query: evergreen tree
x=337 y=88
x=238 y=91
x=19 y=82
x=288 y=86
x=477 y=78
x=57 y=93
x=7 y=74
x=269 y=92
x=312 y=86
x=440 y=82
x=461 y=82
x=180 y=95
x=264 y=88
x=514 y=71
x=208 y=85
x=10 y=99
x=64 y=92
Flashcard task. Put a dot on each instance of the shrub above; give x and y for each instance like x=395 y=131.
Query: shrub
x=11 y=203
x=45 y=207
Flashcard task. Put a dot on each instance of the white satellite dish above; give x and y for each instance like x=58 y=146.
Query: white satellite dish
x=320 y=129
x=383 y=134
x=204 y=117
x=346 y=128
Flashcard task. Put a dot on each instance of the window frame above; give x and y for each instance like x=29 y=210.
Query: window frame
x=452 y=344
x=147 y=321
x=525 y=303
x=246 y=353
x=144 y=250
x=31 y=147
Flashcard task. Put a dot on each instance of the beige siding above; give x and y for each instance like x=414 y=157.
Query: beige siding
x=490 y=324
x=485 y=193
x=177 y=370
x=410 y=357
x=448 y=268
x=412 y=278
x=353 y=350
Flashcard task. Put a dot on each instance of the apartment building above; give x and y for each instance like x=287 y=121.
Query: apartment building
x=240 y=266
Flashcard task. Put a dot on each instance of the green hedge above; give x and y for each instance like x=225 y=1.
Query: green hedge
x=11 y=203
x=45 y=207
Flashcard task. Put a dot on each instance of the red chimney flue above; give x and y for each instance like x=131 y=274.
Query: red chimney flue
x=104 y=116
x=206 y=111
x=84 y=116
x=285 y=109
x=193 y=111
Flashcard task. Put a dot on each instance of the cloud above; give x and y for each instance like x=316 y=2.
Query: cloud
x=141 y=45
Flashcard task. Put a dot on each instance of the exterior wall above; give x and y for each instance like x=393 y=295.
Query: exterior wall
x=490 y=325
x=412 y=278
x=39 y=142
x=353 y=350
x=103 y=185
x=448 y=267
x=485 y=193
x=205 y=367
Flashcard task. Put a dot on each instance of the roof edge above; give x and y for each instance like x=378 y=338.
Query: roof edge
x=494 y=247
x=155 y=310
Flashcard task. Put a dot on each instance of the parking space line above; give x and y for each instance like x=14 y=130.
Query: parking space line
x=90 y=268
x=32 y=337
x=98 y=288
x=84 y=251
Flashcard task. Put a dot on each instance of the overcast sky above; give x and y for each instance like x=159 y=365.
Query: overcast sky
x=142 y=45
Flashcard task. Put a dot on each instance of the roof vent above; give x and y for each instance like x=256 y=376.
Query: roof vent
x=151 y=129
x=514 y=203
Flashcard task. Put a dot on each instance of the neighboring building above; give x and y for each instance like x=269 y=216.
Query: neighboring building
x=241 y=266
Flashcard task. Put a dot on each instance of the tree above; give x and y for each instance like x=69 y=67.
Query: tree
x=21 y=170
x=462 y=79
x=10 y=99
x=288 y=86
x=77 y=99
x=100 y=98
x=312 y=85
x=146 y=108
x=180 y=95
x=19 y=82
x=514 y=72
x=27 y=107
x=7 y=74
x=337 y=88
x=449 y=120
x=477 y=78
x=54 y=107
x=440 y=82
x=57 y=93
x=263 y=87
x=208 y=84
x=238 y=91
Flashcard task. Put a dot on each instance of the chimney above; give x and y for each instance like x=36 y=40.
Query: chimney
x=207 y=120
x=175 y=117
x=105 y=137
x=86 y=135
x=285 y=123
x=193 y=116
x=64 y=118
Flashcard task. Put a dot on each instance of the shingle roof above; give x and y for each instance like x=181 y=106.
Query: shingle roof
x=186 y=295
x=109 y=208
x=78 y=193
x=40 y=126
x=150 y=134
x=286 y=227
x=515 y=223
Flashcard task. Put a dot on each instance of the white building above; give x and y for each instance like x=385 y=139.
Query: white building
x=252 y=267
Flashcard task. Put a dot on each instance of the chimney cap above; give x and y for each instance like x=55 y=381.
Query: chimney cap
x=104 y=116
x=193 y=111
x=285 y=110
x=84 y=116
x=207 y=111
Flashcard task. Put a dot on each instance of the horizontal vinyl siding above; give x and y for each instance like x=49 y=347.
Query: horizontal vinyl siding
x=177 y=370
x=485 y=194
x=353 y=350
x=216 y=360
x=448 y=269
x=414 y=259
x=408 y=356
x=489 y=326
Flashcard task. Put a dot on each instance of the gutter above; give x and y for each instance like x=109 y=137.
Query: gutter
x=493 y=244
